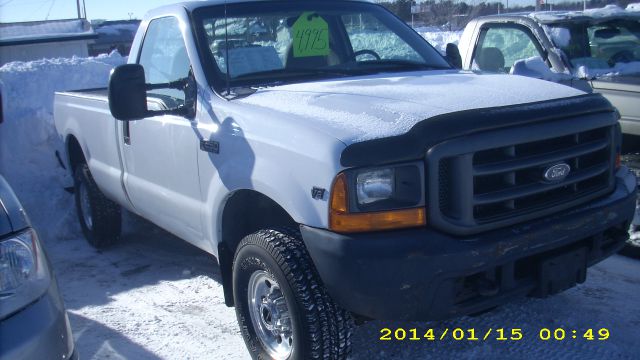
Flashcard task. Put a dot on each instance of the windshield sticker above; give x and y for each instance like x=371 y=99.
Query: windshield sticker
x=310 y=36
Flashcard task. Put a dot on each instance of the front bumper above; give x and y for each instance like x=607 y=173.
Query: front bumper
x=423 y=274
x=39 y=331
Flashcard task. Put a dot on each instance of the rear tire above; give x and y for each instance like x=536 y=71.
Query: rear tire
x=275 y=263
x=100 y=218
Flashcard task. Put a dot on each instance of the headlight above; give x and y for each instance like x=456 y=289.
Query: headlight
x=375 y=186
x=17 y=265
x=24 y=275
x=382 y=198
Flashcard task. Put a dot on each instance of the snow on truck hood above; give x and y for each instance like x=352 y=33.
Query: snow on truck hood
x=366 y=108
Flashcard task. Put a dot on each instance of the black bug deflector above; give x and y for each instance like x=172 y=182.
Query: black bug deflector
x=414 y=144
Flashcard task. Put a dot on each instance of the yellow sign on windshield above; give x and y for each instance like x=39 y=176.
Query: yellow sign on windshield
x=310 y=36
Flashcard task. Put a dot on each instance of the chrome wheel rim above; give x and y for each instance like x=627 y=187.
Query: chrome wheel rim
x=85 y=207
x=270 y=315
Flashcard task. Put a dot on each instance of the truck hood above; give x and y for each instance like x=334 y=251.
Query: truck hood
x=372 y=107
x=620 y=83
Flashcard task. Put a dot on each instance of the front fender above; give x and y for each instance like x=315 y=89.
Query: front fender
x=285 y=169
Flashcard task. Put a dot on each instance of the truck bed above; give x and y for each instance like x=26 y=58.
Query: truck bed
x=85 y=116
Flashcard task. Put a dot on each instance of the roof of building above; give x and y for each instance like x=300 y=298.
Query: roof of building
x=34 y=32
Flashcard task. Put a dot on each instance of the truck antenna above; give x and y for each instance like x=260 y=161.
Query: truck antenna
x=226 y=46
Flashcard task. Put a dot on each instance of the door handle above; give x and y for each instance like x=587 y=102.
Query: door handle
x=210 y=146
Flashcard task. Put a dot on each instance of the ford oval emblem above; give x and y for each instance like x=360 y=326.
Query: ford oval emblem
x=557 y=172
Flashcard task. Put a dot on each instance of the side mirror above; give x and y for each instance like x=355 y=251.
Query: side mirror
x=128 y=92
x=453 y=55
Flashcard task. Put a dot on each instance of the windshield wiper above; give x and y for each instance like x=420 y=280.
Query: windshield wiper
x=402 y=65
x=290 y=73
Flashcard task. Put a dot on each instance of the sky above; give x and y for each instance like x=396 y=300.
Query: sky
x=33 y=10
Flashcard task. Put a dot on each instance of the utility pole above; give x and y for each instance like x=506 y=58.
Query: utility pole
x=78 y=6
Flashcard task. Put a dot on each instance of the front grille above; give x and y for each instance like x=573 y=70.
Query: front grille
x=509 y=180
x=491 y=179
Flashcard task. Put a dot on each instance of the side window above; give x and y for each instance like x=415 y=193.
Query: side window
x=164 y=58
x=368 y=37
x=500 y=47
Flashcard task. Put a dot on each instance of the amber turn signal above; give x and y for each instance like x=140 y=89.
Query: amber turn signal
x=340 y=220
x=618 y=161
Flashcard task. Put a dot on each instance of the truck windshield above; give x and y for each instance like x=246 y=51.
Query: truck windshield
x=599 y=47
x=261 y=43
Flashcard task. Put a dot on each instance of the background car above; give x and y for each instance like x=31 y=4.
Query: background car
x=33 y=319
x=595 y=50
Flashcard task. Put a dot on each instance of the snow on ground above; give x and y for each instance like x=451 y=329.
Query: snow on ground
x=153 y=296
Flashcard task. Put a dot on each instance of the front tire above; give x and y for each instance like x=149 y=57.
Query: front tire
x=100 y=218
x=283 y=310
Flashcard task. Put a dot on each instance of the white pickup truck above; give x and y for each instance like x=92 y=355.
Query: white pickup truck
x=340 y=169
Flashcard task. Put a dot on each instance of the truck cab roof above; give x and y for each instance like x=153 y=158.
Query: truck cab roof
x=193 y=5
x=606 y=13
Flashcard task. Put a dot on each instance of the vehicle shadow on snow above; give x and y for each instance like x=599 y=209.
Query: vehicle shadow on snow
x=144 y=255
x=96 y=341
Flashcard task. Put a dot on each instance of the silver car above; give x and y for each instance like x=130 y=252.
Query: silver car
x=33 y=319
x=594 y=46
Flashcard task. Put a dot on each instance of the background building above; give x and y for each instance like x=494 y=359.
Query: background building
x=27 y=41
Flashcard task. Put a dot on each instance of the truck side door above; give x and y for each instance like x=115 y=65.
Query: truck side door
x=160 y=152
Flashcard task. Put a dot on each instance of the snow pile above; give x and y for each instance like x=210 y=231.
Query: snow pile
x=633 y=7
x=585 y=72
x=28 y=139
x=535 y=67
x=560 y=36
x=439 y=38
